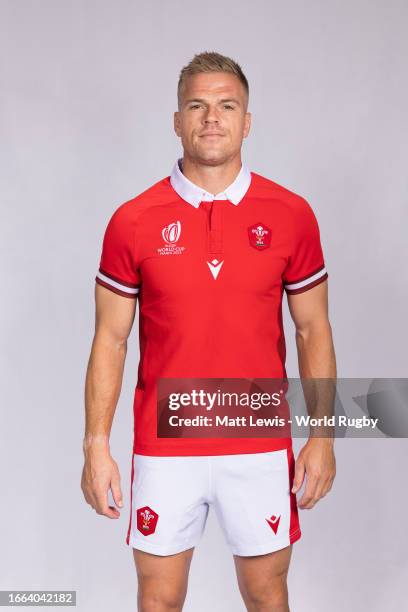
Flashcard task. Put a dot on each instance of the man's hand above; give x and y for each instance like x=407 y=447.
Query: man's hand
x=100 y=474
x=317 y=461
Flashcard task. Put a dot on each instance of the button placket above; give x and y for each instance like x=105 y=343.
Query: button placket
x=215 y=226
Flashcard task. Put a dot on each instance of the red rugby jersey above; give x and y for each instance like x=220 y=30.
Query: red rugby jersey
x=209 y=272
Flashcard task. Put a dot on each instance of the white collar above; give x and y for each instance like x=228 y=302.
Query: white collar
x=191 y=193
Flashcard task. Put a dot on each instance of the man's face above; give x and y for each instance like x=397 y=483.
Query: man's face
x=212 y=120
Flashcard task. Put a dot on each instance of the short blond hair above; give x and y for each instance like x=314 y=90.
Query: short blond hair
x=210 y=61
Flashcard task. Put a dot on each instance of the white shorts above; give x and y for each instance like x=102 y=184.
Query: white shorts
x=250 y=493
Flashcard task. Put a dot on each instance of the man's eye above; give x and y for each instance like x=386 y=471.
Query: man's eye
x=195 y=106
x=228 y=106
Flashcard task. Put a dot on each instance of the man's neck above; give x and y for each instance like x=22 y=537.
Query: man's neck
x=214 y=179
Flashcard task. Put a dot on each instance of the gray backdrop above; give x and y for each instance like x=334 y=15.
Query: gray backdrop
x=88 y=92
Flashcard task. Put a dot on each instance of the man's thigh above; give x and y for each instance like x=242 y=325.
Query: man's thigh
x=162 y=580
x=262 y=578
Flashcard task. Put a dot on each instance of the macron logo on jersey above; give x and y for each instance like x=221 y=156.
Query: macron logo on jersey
x=215 y=267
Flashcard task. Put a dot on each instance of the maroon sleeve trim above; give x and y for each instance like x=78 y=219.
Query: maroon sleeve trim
x=306 y=287
x=114 y=289
x=119 y=280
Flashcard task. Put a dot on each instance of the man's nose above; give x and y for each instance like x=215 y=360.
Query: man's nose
x=211 y=115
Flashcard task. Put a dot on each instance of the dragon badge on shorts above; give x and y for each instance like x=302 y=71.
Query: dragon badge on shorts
x=259 y=236
x=146 y=520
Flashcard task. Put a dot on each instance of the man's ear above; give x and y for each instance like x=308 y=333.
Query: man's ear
x=247 y=124
x=177 y=123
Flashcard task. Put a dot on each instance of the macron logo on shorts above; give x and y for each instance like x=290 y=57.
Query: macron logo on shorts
x=274 y=522
x=146 y=520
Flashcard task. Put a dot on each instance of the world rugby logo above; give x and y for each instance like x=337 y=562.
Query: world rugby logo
x=171 y=233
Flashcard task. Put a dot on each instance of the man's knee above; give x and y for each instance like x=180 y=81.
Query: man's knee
x=160 y=598
x=269 y=595
x=162 y=581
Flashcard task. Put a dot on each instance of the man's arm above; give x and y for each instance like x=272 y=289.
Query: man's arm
x=316 y=358
x=114 y=319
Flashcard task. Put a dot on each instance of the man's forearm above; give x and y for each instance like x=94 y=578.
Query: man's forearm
x=316 y=352
x=102 y=389
x=317 y=369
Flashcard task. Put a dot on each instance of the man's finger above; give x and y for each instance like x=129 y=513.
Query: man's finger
x=299 y=475
x=103 y=508
x=310 y=492
x=116 y=491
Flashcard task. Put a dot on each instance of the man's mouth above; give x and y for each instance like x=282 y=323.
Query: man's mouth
x=212 y=134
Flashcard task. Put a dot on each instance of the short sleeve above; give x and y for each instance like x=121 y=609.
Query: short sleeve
x=118 y=270
x=305 y=267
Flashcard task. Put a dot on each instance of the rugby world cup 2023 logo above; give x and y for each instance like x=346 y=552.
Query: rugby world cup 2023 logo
x=171 y=234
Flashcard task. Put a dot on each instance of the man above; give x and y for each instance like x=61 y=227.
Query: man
x=208 y=251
